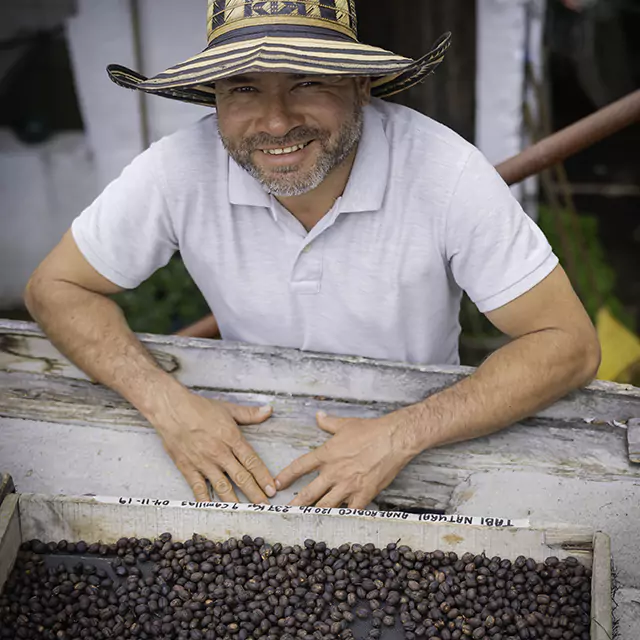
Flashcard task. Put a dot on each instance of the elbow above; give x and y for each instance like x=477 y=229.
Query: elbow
x=29 y=296
x=33 y=294
x=589 y=359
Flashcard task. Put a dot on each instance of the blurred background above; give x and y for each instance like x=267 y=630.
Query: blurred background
x=518 y=70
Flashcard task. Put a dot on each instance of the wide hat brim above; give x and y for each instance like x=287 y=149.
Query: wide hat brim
x=192 y=81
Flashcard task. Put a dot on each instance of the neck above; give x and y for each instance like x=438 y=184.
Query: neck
x=309 y=208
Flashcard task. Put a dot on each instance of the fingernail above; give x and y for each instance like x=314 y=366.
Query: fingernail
x=321 y=414
x=265 y=409
x=270 y=491
x=278 y=485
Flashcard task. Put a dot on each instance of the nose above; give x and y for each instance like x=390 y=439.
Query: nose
x=278 y=114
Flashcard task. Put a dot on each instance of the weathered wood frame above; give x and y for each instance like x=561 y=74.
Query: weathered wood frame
x=570 y=464
x=38 y=384
x=54 y=518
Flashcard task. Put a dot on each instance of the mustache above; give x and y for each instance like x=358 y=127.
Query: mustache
x=295 y=136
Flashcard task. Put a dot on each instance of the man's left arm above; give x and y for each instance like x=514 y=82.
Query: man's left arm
x=554 y=350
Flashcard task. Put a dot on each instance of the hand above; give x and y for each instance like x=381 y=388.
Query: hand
x=360 y=460
x=203 y=438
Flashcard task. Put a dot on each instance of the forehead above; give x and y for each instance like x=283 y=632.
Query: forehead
x=257 y=78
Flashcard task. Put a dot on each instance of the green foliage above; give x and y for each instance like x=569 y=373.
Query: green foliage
x=166 y=302
x=575 y=241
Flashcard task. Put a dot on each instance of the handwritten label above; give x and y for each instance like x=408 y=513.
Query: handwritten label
x=145 y=502
x=427 y=518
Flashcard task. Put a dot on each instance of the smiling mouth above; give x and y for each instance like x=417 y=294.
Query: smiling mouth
x=286 y=150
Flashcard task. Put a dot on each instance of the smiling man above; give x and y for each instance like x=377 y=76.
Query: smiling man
x=311 y=214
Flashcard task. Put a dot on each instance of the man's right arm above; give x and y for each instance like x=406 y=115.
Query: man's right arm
x=69 y=300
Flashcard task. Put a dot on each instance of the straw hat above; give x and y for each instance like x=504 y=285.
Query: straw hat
x=301 y=37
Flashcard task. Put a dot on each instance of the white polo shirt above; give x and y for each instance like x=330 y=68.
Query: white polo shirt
x=424 y=217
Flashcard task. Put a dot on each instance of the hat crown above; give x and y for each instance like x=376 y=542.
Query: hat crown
x=225 y=16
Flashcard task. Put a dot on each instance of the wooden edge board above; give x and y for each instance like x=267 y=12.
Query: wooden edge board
x=107 y=518
x=216 y=364
x=6 y=485
x=10 y=535
x=601 y=589
x=633 y=440
x=571 y=540
x=82 y=517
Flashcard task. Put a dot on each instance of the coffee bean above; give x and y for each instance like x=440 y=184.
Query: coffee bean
x=247 y=587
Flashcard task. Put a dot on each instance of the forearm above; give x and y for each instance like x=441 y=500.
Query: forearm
x=91 y=330
x=515 y=382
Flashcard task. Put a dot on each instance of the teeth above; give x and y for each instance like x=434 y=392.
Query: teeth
x=280 y=152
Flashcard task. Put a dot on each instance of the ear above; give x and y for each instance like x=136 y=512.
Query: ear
x=363 y=87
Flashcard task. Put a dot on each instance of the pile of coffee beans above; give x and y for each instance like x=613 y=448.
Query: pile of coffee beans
x=246 y=588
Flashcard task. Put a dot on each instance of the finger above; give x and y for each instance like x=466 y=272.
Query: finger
x=298 y=468
x=308 y=496
x=197 y=483
x=250 y=460
x=221 y=485
x=328 y=423
x=335 y=498
x=249 y=415
x=244 y=481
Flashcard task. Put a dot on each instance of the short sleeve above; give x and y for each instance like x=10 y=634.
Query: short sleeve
x=126 y=234
x=495 y=251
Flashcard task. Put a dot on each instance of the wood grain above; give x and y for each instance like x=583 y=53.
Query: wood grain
x=633 y=440
x=235 y=367
x=10 y=536
x=571 y=449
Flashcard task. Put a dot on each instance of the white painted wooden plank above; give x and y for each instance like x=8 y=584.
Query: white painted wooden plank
x=633 y=439
x=71 y=420
x=240 y=367
x=53 y=518
x=61 y=517
x=627 y=613
x=10 y=536
x=6 y=485
x=601 y=620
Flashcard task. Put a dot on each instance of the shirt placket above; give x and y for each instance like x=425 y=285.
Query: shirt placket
x=306 y=276
x=306 y=272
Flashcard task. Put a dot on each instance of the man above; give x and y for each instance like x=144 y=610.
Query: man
x=312 y=215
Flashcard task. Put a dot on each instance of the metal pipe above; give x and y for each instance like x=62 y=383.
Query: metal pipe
x=572 y=140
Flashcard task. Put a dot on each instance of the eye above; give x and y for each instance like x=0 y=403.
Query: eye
x=308 y=83
x=243 y=90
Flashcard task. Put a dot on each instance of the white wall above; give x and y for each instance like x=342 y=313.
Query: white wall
x=171 y=32
x=104 y=32
x=101 y=33
x=509 y=32
x=41 y=188
x=44 y=187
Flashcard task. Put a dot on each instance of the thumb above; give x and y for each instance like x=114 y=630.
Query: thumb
x=249 y=415
x=328 y=423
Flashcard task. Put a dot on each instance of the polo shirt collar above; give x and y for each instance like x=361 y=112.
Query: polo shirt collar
x=367 y=182
x=370 y=173
x=244 y=189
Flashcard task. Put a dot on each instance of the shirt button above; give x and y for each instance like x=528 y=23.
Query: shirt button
x=307 y=249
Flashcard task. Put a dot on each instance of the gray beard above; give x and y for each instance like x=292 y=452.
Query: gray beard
x=287 y=181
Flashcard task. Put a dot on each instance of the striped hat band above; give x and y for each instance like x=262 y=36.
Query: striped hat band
x=303 y=37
